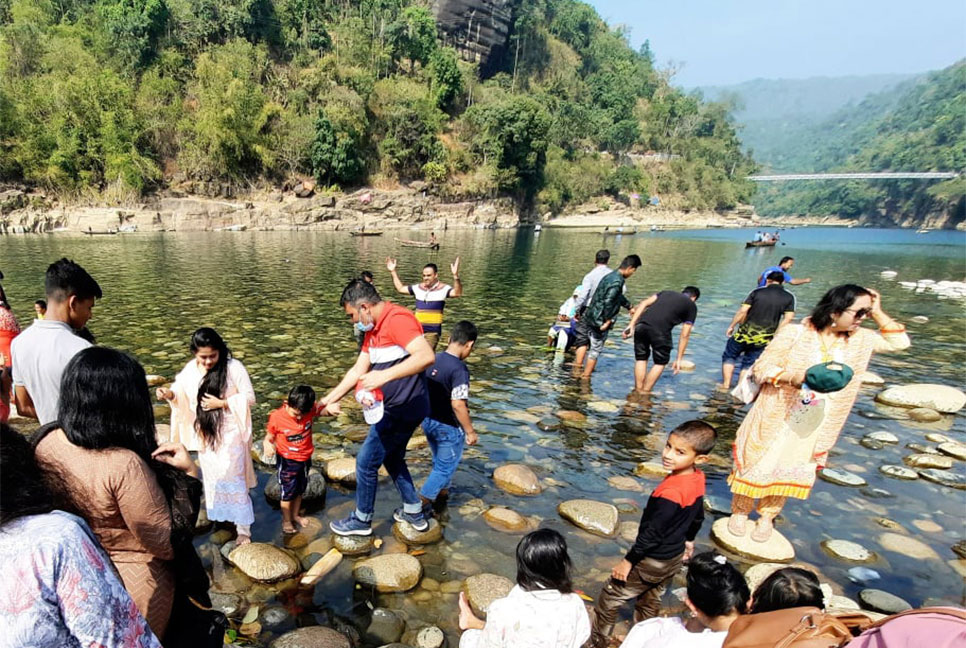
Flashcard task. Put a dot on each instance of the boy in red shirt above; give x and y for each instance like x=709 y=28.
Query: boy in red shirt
x=289 y=436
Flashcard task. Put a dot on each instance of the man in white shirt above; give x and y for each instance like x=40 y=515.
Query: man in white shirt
x=43 y=350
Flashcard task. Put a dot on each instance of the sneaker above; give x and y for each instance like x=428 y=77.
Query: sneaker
x=351 y=526
x=416 y=520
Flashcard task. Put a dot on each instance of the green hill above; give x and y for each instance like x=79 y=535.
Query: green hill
x=110 y=99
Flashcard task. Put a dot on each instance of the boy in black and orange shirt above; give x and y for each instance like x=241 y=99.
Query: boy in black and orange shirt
x=289 y=436
x=665 y=539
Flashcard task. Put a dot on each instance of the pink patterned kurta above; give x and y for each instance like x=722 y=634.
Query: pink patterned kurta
x=227 y=470
x=782 y=442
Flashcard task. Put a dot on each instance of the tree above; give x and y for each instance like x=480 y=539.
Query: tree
x=413 y=36
x=512 y=135
x=335 y=157
x=447 y=79
x=133 y=28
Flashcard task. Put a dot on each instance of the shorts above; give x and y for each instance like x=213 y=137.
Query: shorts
x=647 y=340
x=292 y=475
x=581 y=334
x=597 y=339
x=741 y=354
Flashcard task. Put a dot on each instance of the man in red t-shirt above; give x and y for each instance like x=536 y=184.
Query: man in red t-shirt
x=288 y=435
x=392 y=360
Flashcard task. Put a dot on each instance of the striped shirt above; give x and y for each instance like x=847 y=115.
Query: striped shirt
x=386 y=344
x=430 y=304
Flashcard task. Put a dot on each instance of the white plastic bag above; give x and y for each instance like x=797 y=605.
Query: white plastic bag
x=746 y=391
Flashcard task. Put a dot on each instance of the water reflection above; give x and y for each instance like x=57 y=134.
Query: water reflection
x=274 y=297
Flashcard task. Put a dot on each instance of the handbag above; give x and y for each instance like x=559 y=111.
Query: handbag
x=937 y=627
x=801 y=627
x=746 y=391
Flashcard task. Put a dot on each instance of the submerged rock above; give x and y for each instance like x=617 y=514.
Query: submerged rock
x=517 y=479
x=504 y=519
x=312 y=637
x=898 y=472
x=264 y=562
x=622 y=482
x=396 y=572
x=907 y=546
x=598 y=518
x=870 y=378
x=941 y=398
x=314 y=490
x=847 y=550
x=570 y=416
x=385 y=627
x=953 y=449
x=342 y=470
x=925 y=415
x=944 y=478
x=841 y=477
x=430 y=637
x=482 y=589
x=883 y=437
x=884 y=602
x=928 y=461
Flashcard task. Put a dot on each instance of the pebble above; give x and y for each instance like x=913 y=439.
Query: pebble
x=944 y=478
x=863 y=574
x=396 y=572
x=922 y=449
x=883 y=437
x=273 y=616
x=884 y=602
x=927 y=526
x=686 y=365
x=919 y=319
x=430 y=637
x=871 y=444
x=898 y=472
x=227 y=604
x=517 y=479
x=907 y=546
x=870 y=378
x=841 y=477
x=888 y=274
x=312 y=637
x=848 y=550
x=876 y=493
x=928 y=461
x=888 y=524
x=595 y=517
x=953 y=449
x=570 y=416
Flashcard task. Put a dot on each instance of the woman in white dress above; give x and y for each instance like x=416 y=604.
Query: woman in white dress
x=211 y=401
x=541 y=611
x=717 y=595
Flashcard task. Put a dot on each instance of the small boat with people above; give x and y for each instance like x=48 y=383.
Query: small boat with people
x=753 y=244
x=619 y=231
x=431 y=244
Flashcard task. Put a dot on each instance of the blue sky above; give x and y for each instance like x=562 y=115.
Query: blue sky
x=729 y=41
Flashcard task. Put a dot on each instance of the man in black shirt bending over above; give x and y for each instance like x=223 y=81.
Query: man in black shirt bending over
x=652 y=323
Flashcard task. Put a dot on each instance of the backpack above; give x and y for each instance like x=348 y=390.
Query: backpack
x=936 y=627
x=801 y=627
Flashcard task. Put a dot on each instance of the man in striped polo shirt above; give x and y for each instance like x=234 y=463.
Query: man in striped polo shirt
x=431 y=295
x=388 y=372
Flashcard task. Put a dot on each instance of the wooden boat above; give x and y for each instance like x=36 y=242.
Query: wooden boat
x=416 y=244
x=91 y=232
x=232 y=228
x=760 y=244
x=370 y=233
x=619 y=231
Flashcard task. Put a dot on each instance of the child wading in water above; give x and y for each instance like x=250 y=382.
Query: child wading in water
x=448 y=423
x=289 y=437
x=665 y=539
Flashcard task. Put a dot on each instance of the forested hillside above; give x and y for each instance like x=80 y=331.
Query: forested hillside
x=111 y=99
x=922 y=128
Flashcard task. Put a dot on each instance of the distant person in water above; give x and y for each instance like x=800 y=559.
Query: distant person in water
x=783 y=266
x=40 y=308
x=603 y=309
x=562 y=331
x=651 y=325
x=431 y=295
x=432 y=239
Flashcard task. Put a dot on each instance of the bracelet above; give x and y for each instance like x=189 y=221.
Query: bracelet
x=774 y=381
x=901 y=328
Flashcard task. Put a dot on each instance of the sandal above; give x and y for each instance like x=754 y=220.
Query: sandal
x=736 y=524
x=762 y=530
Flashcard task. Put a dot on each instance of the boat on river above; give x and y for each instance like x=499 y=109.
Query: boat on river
x=91 y=232
x=760 y=244
x=369 y=233
x=619 y=231
x=416 y=244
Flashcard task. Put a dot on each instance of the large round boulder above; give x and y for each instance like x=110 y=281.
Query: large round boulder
x=314 y=490
x=264 y=562
x=342 y=470
x=482 y=589
x=517 y=479
x=595 y=517
x=941 y=398
x=312 y=637
x=405 y=532
x=397 y=572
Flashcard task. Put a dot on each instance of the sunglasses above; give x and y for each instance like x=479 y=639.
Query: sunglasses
x=861 y=313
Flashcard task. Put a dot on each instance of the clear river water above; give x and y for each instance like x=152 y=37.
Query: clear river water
x=274 y=296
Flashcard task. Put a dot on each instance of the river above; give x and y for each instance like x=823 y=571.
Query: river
x=274 y=296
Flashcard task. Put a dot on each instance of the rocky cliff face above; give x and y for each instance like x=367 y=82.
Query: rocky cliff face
x=478 y=29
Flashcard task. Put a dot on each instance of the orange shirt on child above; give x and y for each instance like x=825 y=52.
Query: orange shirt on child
x=293 y=436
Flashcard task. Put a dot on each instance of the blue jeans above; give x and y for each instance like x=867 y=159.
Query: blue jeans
x=446 y=442
x=385 y=446
x=741 y=354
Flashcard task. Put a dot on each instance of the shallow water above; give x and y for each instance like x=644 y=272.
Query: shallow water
x=274 y=296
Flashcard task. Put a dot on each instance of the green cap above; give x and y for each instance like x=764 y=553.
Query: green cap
x=828 y=377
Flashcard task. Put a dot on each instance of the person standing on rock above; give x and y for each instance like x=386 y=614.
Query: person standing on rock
x=431 y=295
x=603 y=309
x=764 y=311
x=651 y=325
x=41 y=352
x=810 y=375
x=388 y=377
x=783 y=267
x=665 y=540
x=588 y=285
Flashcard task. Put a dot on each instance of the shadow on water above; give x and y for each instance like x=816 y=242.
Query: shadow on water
x=274 y=296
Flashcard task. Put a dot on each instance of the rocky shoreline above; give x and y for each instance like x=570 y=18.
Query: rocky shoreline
x=374 y=209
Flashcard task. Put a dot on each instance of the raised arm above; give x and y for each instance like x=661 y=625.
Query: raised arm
x=401 y=288
x=892 y=335
x=457 y=290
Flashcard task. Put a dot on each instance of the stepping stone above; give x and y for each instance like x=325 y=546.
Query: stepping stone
x=922 y=448
x=624 y=483
x=907 y=546
x=941 y=398
x=506 y=520
x=312 y=637
x=405 y=532
x=925 y=415
x=776 y=549
x=841 y=477
x=944 y=478
x=594 y=517
x=935 y=437
x=884 y=602
x=264 y=562
x=482 y=589
x=397 y=572
x=342 y=470
x=517 y=479
x=928 y=461
x=883 y=437
x=352 y=545
x=628 y=531
x=570 y=416
x=847 y=550
x=871 y=444
x=953 y=449
x=898 y=472
x=870 y=378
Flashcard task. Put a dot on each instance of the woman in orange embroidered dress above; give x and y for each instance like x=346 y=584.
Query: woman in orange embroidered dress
x=784 y=439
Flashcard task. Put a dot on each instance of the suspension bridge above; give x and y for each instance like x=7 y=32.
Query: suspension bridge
x=885 y=175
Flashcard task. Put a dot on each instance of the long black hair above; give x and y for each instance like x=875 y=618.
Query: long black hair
x=23 y=488
x=208 y=422
x=715 y=587
x=835 y=302
x=786 y=588
x=543 y=562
